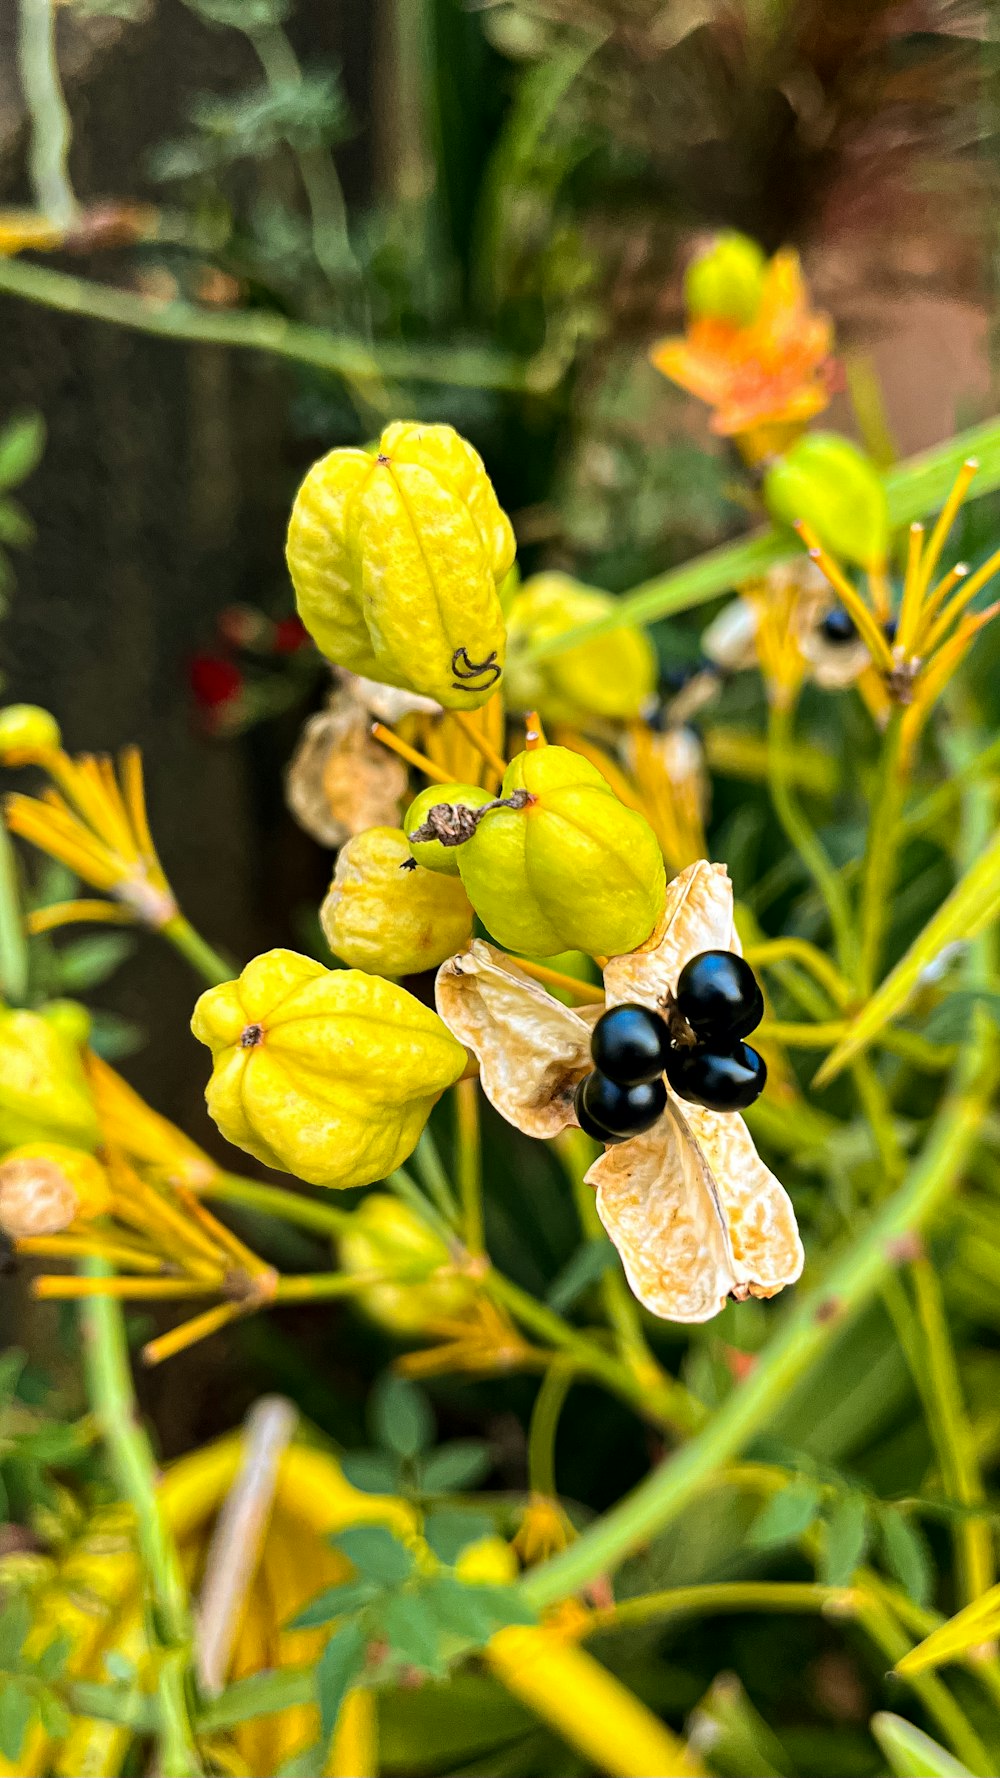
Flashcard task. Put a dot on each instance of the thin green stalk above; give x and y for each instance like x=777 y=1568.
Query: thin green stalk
x=469 y=1164
x=113 y=1404
x=933 y=1694
x=879 y=873
x=428 y=1163
x=13 y=943
x=723 y=1596
x=469 y=367
x=781 y=742
x=549 y=1403
x=806 y=1333
x=51 y=130
x=274 y=1200
x=204 y=960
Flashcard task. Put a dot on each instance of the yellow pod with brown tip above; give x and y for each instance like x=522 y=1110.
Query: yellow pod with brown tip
x=572 y=869
x=327 y=1074
x=386 y=913
x=396 y=556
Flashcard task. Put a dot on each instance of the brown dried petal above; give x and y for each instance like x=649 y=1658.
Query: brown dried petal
x=760 y=1222
x=340 y=780
x=697 y=916
x=532 y=1050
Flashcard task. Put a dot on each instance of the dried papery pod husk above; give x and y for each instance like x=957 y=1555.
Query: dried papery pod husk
x=389 y=703
x=44 y=1186
x=396 y=556
x=386 y=913
x=531 y=1049
x=340 y=780
x=691 y=1207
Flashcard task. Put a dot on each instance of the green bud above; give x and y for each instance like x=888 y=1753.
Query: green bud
x=832 y=485
x=27 y=729
x=430 y=853
x=725 y=282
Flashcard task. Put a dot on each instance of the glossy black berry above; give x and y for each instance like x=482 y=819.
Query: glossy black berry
x=721 y=1080
x=630 y=1044
x=718 y=995
x=612 y=1113
x=889 y=629
x=838 y=626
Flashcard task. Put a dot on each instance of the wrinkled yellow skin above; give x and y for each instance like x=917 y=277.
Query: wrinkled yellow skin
x=396 y=557
x=430 y=853
x=43 y=1091
x=574 y=870
x=385 y=1236
x=387 y=919
x=328 y=1074
x=612 y=678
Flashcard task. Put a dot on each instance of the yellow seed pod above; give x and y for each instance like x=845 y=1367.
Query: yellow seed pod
x=572 y=869
x=430 y=853
x=387 y=914
x=396 y=556
x=43 y=1090
x=328 y=1074
x=25 y=731
x=385 y=1236
x=612 y=678
x=44 y=1186
x=69 y=1017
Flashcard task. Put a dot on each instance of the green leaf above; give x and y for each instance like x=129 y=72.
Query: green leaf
x=401 y=1417
x=449 y=1531
x=113 y=1038
x=787 y=1515
x=587 y=1265
x=12 y=1364
x=371 y=1471
x=461 y=1464
x=339 y=1665
x=118 y=1666
x=53 y=1657
x=89 y=961
x=412 y=1631
x=906 y=1554
x=16 y=1710
x=911 y=1753
x=375 y=1553
x=54 y=1715
x=21 y=445
x=17 y=528
x=845 y=1540
x=475 y=1611
x=949 y=1020
x=15 y=1622
x=333 y=1602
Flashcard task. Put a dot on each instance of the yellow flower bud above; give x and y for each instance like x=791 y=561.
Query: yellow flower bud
x=487 y=1562
x=25 y=731
x=396 y=557
x=44 y=1186
x=385 y=1236
x=612 y=677
x=726 y=282
x=430 y=853
x=43 y=1090
x=572 y=869
x=328 y=1074
x=830 y=483
x=386 y=914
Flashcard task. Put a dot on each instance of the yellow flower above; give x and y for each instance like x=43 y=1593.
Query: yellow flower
x=765 y=379
x=132 y=1127
x=544 y=1530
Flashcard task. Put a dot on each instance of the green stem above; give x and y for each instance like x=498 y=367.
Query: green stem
x=469 y=367
x=933 y=1694
x=428 y=1163
x=204 y=960
x=113 y=1404
x=879 y=872
x=469 y=1164
x=781 y=743
x=807 y=1332
x=274 y=1200
x=51 y=130
x=723 y=1596
x=549 y=1403
x=13 y=944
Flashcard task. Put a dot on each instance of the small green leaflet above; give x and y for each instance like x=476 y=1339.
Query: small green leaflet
x=461 y=1464
x=338 y=1667
x=906 y=1554
x=333 y=1603
x=376 y=1554
x=401 y=1417
x=449 y=1530
x=845 y=1540
x=911 y=1753
x=787 y=1515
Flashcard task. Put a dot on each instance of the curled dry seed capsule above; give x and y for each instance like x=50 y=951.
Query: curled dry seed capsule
x=43 y=1090
x=572 y=869
x=44 y=1186
x=613 y=677
x=384 y=1236
x=329 y=1074
x=431 y=853
x=396 y=557
x=385 y=913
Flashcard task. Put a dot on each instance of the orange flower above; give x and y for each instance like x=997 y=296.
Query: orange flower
x=766 y=379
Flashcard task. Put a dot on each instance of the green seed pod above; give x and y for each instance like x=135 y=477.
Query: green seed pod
x=571 y=869
x=386 y=914
x=831 y=484
x=385 y=1236
x=611 y=678
x=430 y=853
x=44 y=1095
x=726 y=282
x=397 y=556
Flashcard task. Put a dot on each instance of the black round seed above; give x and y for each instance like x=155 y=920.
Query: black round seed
x=718 y=995
x=721 y=1080
x=629 y=1044
x=838 y=626
x=612 y=1113
x=889 y=629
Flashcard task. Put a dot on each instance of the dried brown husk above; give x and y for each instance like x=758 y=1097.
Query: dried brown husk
x=340 y=780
